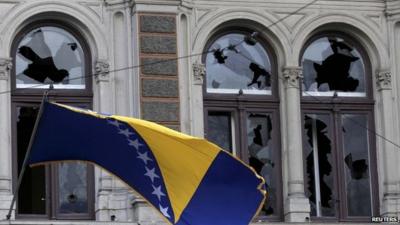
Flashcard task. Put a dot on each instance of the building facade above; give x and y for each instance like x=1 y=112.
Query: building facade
x=306 y=92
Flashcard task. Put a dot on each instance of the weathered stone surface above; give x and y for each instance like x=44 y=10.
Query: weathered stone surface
x=159 y=88
x=157 y=66
x=158 y=44
x=160 y=111
x=157 y=24
x=173 y=127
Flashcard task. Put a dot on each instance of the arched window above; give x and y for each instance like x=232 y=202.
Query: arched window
x=242 y=108
x=339 y=150
x=50 y=53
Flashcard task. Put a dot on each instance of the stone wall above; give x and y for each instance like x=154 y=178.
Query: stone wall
x=159 y=71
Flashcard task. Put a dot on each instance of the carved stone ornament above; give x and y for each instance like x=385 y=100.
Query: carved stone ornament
x=199 y=72
x=5 y=67
x=293 y=76
x=384 y=80
x=102 y=71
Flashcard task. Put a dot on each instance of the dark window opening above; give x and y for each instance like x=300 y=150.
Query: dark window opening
x=32 y=194
x=50 y=52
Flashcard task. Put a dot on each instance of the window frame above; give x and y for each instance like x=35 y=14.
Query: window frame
x=239 y=105
x=273 y=97
x=32 y=97
x=307 y=98
x=336 y=107
x=86 y=92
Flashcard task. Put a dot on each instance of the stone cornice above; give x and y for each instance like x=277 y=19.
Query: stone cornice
x=199 y=72
x=5 y=67
x=102 y=71
x=292 y=76
x=384 y=80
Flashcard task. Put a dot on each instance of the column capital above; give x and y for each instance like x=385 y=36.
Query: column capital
x=5 y=67
x=293 y=76
x=384 y=80
x=102 y=71
x=199 y=72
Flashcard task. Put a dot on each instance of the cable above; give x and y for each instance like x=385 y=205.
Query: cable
x=319 y=101
x=166 y=60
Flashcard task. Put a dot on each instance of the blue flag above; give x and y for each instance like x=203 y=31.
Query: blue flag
x=189 y=180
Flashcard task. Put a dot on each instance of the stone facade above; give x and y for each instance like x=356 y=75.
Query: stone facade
x=152 y=33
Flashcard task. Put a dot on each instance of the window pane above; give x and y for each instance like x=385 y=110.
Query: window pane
x=319 y=163
x=247 y=67
x=262 y=157
x=356 y=163
x=220 y=129
x=332 y=64
x=49 y=55
x=32 y=192
x=72 y=182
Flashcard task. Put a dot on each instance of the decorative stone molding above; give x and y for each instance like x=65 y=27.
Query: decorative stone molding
x=5 y=67
x=102 y=71
x=384 y=80
x=292 y=76
x=199 y=72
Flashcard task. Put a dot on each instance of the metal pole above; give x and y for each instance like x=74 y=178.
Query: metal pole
x=24 y=164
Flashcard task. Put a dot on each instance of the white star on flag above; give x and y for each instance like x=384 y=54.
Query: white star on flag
x=157 y=191
x=114 y=122
x=144 y=157
x=152 y=174
x=164 y=211
x=125 y=132
x=134 y=143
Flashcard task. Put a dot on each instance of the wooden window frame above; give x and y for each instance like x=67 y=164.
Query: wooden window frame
x=336 y=107
x=239 y=105
x=32 y=97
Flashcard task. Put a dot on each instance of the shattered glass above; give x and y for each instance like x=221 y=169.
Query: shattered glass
x=220 y=130
x=262 y=156
x=330 y=64
x=48 y=55
x=239 y=67
x=318 y=156
x=357 y=167
x=73 y=188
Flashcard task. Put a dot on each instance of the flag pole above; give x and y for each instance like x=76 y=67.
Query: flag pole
x=24 y=164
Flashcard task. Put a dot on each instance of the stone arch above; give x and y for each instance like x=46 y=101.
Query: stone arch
x=82 y=19
x=277 y=35
x=353 y=26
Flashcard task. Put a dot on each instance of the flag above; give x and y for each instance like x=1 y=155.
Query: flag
x=189 y=180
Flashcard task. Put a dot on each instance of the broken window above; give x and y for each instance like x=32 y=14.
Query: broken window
x=241 y=106
x=262 y=156
x=319 y=164
x=339 y=154
x=49 y=55
x=236 y=64
x=332 y=64
x=357 y=166
x=220 y=129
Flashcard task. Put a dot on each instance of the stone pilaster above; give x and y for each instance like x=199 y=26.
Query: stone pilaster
x=5 y=142
x=391 y=177
x=102 y=79
x=159 y=97
x=296 y=206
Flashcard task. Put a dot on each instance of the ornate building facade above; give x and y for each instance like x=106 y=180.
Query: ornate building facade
x=306 y=92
